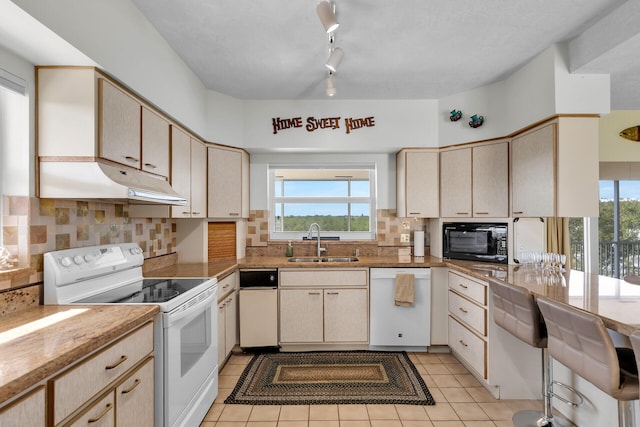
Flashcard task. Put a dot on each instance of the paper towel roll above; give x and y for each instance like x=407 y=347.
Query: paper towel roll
x=418 y=243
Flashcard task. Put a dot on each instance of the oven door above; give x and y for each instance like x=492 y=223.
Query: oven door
x=191 y=354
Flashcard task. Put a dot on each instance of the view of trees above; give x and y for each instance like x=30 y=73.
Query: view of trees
x=326 y=222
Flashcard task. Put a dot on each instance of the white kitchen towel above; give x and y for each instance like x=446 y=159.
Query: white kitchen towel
x=403 y=293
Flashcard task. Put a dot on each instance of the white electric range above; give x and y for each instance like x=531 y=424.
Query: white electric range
x=185 y=332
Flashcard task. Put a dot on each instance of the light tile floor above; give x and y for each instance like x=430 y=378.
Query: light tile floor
x=460 y=402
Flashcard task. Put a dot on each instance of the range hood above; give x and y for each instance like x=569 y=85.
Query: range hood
x=96 y=180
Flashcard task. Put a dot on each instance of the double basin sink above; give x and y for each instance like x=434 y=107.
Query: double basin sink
x=323 y=259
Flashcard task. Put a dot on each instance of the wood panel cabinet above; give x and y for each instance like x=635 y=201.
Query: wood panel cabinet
x=26 y=411
x=227 y=316
x=132 y=398
x=324 y=306
x=555 y=169
x=228 y=182
x=417 y=189
x=188 y=174
x=155 y=143
x=474 y=181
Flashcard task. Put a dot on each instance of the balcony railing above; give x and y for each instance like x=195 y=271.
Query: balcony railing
x=628 y=258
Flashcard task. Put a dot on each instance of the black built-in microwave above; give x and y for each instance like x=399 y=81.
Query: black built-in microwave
x=475 y=241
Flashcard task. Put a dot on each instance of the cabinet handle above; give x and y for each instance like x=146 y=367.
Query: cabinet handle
x=333 y=293
x=462 y=310
x=101 y=414
x=136 y=383
x=150 y=165
x=225 y=286
x=234 y=214
x=314 y=293
x=414 y=213
x=482 y=213
x=463 y=286
x=186 y=213
x=518 y=213
x=123 y=358
x=463 y=343
x=221 y=307
x=195 y=213
x=131 y=159
x=462 y=213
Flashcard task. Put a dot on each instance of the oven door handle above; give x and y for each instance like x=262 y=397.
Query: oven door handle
x=189 y=310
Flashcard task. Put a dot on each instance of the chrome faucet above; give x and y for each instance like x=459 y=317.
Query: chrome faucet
x=317 y=226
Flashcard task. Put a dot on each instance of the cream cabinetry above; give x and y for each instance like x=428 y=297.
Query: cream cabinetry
x=92 y=389
x=417 y=189
x=83 y=115
x=324 y=306
x=474 y=181
x=228 y=182
x=132 y=398
x=188 y=174
x=227 y=316
x=26 y=411
x=555 y=169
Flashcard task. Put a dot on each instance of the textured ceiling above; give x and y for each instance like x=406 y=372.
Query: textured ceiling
x=413 y=49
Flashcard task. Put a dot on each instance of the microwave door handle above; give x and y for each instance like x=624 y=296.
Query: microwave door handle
x=172 y=318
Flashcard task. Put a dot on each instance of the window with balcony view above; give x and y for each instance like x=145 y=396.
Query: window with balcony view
x=340 y=199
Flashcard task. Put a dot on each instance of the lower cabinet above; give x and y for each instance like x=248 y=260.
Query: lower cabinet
x=133 y=396
x=324 y=306
x=227 y=317
x=27 y=411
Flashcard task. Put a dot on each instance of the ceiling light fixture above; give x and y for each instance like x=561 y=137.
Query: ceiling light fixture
x=331 y=89
x=326 y=13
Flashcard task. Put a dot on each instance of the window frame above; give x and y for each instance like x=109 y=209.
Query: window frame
x=273 y=200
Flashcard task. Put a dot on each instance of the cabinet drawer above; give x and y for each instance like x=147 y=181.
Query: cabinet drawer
x=324 y=277
x=80 y=383
x=100 y=414
x=227 y=285
x=468 y=346
x=477 y=291
x=470 y=313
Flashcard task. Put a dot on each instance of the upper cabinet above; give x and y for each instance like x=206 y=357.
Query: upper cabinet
x=417 y=183
x=84 y=114
x=455 y=183
x=554 y=169
x=188 y=174
x=228 y=182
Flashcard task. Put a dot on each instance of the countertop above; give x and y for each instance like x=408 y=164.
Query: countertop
x=40 y=341
x=617 y=302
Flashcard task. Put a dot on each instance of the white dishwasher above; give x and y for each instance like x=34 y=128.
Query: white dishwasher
x=400 y=327
x=258 y=308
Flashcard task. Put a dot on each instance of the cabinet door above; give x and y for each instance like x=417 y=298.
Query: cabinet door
x=301 y=315
x=155 y=143
x=198 y=179
x=119 y=125
x=222 y=340
x=26 y=412
x=181 y=170
x=225 y=183
x=420 y=195
x=100 y=414
x=533 y=173
x=346 y=315
x=455 y=183
x=231 y=322
x=491 y=180
x=135 y=398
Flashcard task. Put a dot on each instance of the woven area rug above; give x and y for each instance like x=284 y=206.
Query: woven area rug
x=330 y=377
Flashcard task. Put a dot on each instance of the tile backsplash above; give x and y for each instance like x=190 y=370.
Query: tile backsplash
x=33 y=226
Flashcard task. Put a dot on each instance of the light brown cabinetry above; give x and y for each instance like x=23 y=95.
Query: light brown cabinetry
x=417 y=189
x=188 y=174
x=155 y=143
x=26 y=411
x=227 y=316
x=555 y=169
x=324 y=306
x=228 y=182
x=474 y=181
x=90 y=392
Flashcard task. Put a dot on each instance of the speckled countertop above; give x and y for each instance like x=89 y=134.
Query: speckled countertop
x=617 y=302
x=38 y=342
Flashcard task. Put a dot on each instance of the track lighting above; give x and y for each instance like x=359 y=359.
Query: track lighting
x=331 y=89
x=335 y=58
x=327 y=16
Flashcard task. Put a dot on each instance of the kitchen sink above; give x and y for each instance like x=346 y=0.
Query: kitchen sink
x=323 y=259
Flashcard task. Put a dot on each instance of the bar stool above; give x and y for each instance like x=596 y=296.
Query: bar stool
x=515 y=310
x=580 y=341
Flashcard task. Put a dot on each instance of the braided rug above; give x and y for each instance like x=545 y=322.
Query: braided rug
x=345 y=377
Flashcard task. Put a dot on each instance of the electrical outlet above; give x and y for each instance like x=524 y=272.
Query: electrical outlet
x=404 y=238
x=406 y=225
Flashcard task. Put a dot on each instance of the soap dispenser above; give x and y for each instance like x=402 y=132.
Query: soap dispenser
x=289 y=252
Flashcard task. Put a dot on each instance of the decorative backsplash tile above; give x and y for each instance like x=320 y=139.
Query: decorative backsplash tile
x=33 y=226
